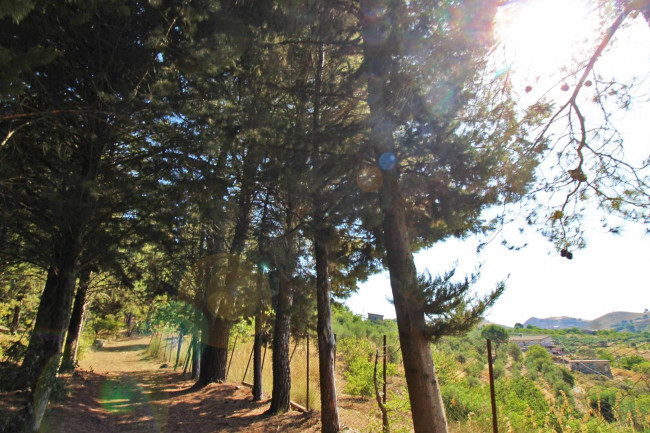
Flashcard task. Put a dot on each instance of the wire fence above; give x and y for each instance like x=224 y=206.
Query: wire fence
x=369 y=374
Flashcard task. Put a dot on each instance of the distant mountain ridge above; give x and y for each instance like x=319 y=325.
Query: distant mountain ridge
x=618 y=320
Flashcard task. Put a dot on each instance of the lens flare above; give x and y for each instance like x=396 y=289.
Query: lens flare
x=387 y=161
x=370 y=178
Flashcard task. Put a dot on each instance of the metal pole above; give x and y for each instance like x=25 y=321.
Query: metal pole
x=334 y=352
x=495 y=428
x=264 y=356
x=295 y=346
x=384 y=397
x=231 y=355
x=307 y=404
x=249 y=363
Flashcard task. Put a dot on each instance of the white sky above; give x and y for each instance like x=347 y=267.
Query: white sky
x=611 y=274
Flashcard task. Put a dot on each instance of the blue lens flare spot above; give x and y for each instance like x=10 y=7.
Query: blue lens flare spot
x=387 y=160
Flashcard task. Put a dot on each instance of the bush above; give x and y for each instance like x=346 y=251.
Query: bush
x=643 y=368
x=514 y=351
x=461 y=399
x=630 y=362
x=107 y=324
x=359 y=357
x=521 y=397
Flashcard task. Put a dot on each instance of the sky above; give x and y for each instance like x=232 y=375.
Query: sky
x=613 y=272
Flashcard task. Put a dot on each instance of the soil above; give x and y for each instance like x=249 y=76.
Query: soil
x=118 y=389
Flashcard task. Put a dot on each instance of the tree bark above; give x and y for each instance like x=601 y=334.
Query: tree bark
x=281 y=395
x=326 y=343
x=427 y=408
x=15 y=319
x=196 y=358
x=43 y=355
x=214 y=353
x=178 y=348
x=257 y=359
x=129 y=324
x=69 y=361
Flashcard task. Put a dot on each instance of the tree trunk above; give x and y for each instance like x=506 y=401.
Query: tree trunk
x=69 y=360
x=178 y=348
x=281 y=396
x=214 y=353
x=129 y=324
x=15 y=319
x=427 y=409
x=257 y=359
x=326 y=343
x=196 y=358
x=43 y=355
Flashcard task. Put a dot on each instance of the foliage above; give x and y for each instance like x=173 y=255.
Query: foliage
x=539 y=362
x=346 y=324
x=448 y=307
x=514 y=351
x=108 y=324
x=359 y=358
x=630 y=362
x=176 y=316
x=496 y=333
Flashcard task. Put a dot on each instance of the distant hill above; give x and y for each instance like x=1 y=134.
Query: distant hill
x=487 y=322
x=618 y=320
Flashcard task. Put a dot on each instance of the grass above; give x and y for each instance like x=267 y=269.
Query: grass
x=163 y=347
x=242 y=354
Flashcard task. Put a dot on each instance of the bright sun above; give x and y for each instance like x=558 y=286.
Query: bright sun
x=539 y=37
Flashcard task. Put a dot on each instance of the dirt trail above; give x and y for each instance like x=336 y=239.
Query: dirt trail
x=117 y=389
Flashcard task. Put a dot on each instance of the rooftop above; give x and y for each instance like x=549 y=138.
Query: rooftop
x=529 y=337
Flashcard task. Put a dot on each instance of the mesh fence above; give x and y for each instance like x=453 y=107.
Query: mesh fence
x=464 y=382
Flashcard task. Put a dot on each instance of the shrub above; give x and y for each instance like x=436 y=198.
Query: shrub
x=106 y=324
x=514 y=351
x=630 y=362
x=643 y=368
x=461 y=399
x=359 y=357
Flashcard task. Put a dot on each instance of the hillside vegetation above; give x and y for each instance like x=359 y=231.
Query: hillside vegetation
x=535 y=392
x=617 y=320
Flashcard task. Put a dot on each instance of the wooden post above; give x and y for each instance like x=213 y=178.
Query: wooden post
x=307 y=398
x=231 y=355
x=495 y=428
x=384 y=376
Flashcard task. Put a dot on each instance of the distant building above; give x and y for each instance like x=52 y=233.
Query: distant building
x=375 y=318
x=525 y=341
x=591 y=366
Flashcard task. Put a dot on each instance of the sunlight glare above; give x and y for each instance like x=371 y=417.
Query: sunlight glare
x=540 y=37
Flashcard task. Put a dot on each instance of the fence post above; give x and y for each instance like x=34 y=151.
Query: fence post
x=495 y=428
x=248 y=364
x=307 y=398
x=384 y=375
x=264 y=357
x=231 y=355
x=295 y=346
x=335 y=341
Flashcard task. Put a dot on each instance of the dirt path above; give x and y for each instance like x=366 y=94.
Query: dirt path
x=117 y=389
